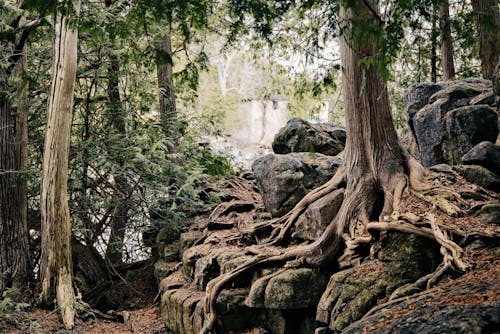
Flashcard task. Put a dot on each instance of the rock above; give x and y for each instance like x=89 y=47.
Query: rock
x=489 y=214
x=301 y=136
x=458 y=93
x=311 y=224
x=162 y=270
x=218 y=261
x=485 y=154
x=287 y=289
x=467 y=127
x=415 y=98
x=448 y=119
x=188 y=239
x=190 y=256
x=168 y=234
x=353 y=292
x=178 y=310
x=484 y=98
x=284 y=179
x=441 y=168
x=462 y=306
x=479 y=175
x=430 y=132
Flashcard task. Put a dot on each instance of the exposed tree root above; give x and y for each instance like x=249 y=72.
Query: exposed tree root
x=352 y=226
x=288 y=220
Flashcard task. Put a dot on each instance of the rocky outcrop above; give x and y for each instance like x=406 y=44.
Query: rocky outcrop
x=448 y=119
x=284 y=179
x=479 y=175
x=301 y=136
x=311 y=224
x=351 y=293
x=485 y=154
x=468 y=305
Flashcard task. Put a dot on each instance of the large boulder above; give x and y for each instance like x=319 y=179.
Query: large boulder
x=301 y=136
x=465 y=306
x=466 y=127
x=454 y=118
x=284 y=179
x=351 y=293
x=485 y=154
x=479 y=175
x=311 y=224
x=287 y=289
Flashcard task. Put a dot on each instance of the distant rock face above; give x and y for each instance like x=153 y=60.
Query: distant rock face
x=448 y=119
x=301 y=136
x=284 y=179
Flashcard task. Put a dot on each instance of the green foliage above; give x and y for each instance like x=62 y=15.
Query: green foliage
x=16 y=314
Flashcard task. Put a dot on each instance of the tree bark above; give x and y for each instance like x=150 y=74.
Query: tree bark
x=433 y=51
x=15 y=265
x=168 y=111
x=373 y=162
x=56 y=263
x=447 y=61
x=487 y=19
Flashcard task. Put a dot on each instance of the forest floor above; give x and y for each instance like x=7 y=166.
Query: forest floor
x=144 y=317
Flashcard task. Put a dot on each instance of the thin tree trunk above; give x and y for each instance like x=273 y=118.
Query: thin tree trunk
x=56 y=264
x=119 y=219
x=487 y=19
x=168 y=111
x=433 y=51
x=446 y=42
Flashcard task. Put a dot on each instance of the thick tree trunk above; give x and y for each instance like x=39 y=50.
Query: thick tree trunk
x=14 y=248
x=446 y=42
x=56 y=264
x=168 y=111
x=373 y=161
x=487 y=19
x=15 y=265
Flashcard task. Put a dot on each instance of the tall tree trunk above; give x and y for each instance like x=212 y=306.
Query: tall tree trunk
x=433 y=51
x=56 y=264
x=487 y=19
x=373 y=161
x=168 y=111
x=119 y=217
x=15 y=266
x=446 y=42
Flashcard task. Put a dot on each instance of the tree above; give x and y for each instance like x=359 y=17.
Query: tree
x=375 y=169
x=447 y=61
x=166 y=93
x=15 y=267
x=117 y=119
x=487 y=19
x=56 y=264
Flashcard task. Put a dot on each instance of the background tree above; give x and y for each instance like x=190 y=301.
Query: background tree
x=56 y=263
x=447 y=59
x=487 y=17
x=15 y=265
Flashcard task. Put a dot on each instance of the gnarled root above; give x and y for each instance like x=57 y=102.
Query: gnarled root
x=351 y=226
